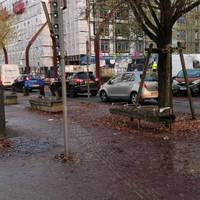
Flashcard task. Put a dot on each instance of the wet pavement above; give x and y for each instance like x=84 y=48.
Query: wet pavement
x=107 y=164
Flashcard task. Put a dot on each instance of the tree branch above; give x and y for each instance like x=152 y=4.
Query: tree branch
x=183 y=8
x=139 y=18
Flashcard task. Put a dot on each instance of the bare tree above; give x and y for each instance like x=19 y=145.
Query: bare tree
x=5 y=30
x=156 y=18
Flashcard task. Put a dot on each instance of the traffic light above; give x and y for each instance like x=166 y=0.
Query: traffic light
x=55 y=26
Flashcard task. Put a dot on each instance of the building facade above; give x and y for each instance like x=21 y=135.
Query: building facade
x=27 y=18
x=187 y=30
x=115 y=41
x=117 y=45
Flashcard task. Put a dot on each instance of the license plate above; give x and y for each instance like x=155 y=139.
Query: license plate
x=35 y=85
x=182 y=88
x=89 y=81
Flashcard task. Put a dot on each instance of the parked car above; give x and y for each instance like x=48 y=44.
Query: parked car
x=179 y=85
x=125 y=87
x=8 y=74
x=76 y=83
x=28 y=82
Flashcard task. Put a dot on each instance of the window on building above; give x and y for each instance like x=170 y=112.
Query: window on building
x=121 y=29
x=105 y=30
x=196 y=36
x=128 y=77
x=103 y=11
x=181 y=34
x=122 y=46
x=122 y=13
x=197 y=47
x=182 y=20
x=105 y=46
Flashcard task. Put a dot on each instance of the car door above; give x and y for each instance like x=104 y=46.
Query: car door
x=113 y=86
x=125 y=86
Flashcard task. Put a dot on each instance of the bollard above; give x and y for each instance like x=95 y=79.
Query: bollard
x=2 y=111
x=26 y=91
x=42 y=93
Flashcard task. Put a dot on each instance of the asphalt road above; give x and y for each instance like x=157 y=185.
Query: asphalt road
x=181 y=104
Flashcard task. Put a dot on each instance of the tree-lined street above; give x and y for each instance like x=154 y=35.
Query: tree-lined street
x=63 y=137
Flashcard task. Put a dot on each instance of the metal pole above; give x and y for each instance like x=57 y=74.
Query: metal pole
x=64 y=88
x=186 y=80
x=88 y=43
x=143 y=74
x=88 y=72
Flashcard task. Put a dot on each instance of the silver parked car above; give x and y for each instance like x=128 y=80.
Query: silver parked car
x=125 y=87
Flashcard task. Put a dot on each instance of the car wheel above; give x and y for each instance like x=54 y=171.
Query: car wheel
x=72 y=93
x=133 y=98
x=103 y=96
x=52 y=92
x=176 y=94
x=94 y=93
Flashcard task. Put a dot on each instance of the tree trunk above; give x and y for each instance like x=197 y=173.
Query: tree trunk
x=5 y=55
x=165 y=70
x=2 y=112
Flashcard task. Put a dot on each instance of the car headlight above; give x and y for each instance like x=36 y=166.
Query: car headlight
x=196 y=82
x=174 y=83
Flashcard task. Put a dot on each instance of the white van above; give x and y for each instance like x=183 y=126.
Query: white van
x=8 y=73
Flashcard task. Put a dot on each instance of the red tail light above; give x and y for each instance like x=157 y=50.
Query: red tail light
x=96 y=79
x=78 y=81
x=27 y=78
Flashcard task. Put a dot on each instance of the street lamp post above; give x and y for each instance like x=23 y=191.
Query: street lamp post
x=88 y=43
x=61 y=7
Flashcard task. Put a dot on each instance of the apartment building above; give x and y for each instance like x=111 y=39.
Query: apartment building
x=114 y=44
x=187 y=29
x=117 y=45
x=27 y=18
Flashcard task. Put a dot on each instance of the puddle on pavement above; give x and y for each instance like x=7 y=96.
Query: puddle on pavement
x=30 y=145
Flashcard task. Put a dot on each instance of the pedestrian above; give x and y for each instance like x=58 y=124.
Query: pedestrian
x=154 y=66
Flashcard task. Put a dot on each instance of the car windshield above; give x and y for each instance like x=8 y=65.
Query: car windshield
x=34 y=77
x=148 y=77
x=192 y=73
x=84 y=75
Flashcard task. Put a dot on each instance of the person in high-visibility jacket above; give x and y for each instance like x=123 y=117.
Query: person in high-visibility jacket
x=154 y=66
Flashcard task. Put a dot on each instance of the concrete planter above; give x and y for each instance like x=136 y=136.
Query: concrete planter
x=47 y=104
x=10 y=99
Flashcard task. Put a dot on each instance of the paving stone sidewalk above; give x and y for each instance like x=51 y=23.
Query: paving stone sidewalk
x=107 y=164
